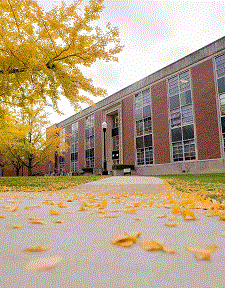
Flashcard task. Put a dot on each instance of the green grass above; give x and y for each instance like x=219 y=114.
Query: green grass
x=211 y=185
x=40 y=183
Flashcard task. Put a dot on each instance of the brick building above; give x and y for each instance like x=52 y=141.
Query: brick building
x=172 y=121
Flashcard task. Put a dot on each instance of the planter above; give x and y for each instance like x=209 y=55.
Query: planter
x=117 y=172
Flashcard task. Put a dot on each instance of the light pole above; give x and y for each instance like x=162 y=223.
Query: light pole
x=104 y=172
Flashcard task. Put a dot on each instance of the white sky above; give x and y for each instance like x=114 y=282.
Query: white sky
x=155 y=35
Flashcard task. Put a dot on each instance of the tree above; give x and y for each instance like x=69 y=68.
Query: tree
x=41 y=52
x=24 y=141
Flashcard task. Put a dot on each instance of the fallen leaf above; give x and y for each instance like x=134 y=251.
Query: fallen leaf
x=39 y=264
x=2 y=216
x=201 y=253
x=176 y=210
x=38 y=222
x=160 y=216
x=189 y=213
x=170 y=224
x=29 y=207
x=137 y=218
x=62 y=205
x=130 y=211
x=37 y=248
x=59 y=221
x=151 y=245
x=69 y=200
x=53 y=212
x=15 y=227
x=125 y=239
x=172 y=218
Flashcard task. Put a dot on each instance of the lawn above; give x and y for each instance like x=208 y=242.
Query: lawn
x=39 y=183
x=210 y=185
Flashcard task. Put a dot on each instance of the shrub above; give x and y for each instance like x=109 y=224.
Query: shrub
x=122 y=166
x=87 y=169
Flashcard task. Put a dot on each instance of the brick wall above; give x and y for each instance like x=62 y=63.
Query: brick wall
x=81 y=134
x=161 y=144
x=98 y=139
x=128 y=131
x=205 y=111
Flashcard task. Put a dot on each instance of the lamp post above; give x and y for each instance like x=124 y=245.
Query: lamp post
x=104 y=172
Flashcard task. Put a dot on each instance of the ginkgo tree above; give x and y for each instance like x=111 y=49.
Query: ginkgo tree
x=26 y=142
x=42 y=52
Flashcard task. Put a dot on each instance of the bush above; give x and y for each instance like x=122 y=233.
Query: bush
x=87 y=169
x=122 y=166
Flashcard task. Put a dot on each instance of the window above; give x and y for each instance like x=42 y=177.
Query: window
x=62 y=158
x=74 y=147
x=144 y=146
x=181 y=117
x=89 y=141
x=220 y=69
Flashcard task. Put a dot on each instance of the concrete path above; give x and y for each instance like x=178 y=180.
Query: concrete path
x=83 y=241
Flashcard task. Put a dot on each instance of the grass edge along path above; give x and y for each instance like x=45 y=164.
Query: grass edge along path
x=44 y=183
x=207 y=185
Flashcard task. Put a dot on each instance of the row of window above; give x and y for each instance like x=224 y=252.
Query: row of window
x=181 y=122
x=74 y=147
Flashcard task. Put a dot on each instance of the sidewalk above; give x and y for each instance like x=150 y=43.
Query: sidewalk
x=84 y=239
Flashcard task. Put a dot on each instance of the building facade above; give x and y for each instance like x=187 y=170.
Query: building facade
x=171 y=122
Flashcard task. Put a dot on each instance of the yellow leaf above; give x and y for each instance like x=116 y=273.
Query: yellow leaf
x=2 y=216
x=151 y=245
x=125 y=239
x=82 y=208
x=160 y=216
x=36 y=248
x=176 y=210
x=170 y=224
x=39 y=264
x=186 y=213
x=69 y=200
x=137 y=218
x=137 y=204
x=62 y=205
x=53 y=212
x=172 y=218
x=15 y=227
x=52 y=203
x=150 y=203
x=130 y=211
x=202 y=253
x=29 y=207
x=37 y=221
x=58 y=221
x=168 y=250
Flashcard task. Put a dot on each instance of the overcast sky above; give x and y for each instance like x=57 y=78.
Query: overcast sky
x=155 y=35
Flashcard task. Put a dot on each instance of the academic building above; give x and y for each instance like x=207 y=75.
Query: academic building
x=170 y=122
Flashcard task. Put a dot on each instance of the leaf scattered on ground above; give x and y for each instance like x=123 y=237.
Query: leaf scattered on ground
x=39 y=264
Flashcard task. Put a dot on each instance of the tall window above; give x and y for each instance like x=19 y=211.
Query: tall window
x=181 y=117
x=144 y=147
x=89 y=140
x=115 y=138
x=62 y=157
x=74 y=147
x=220 y=71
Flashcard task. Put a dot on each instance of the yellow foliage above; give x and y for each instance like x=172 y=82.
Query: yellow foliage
x=42 y=51
x=186 y=213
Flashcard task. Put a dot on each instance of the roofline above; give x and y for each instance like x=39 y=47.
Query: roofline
x=174 y=67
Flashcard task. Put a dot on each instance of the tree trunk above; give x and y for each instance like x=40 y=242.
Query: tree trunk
x=17 y=171
x=30 y=167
